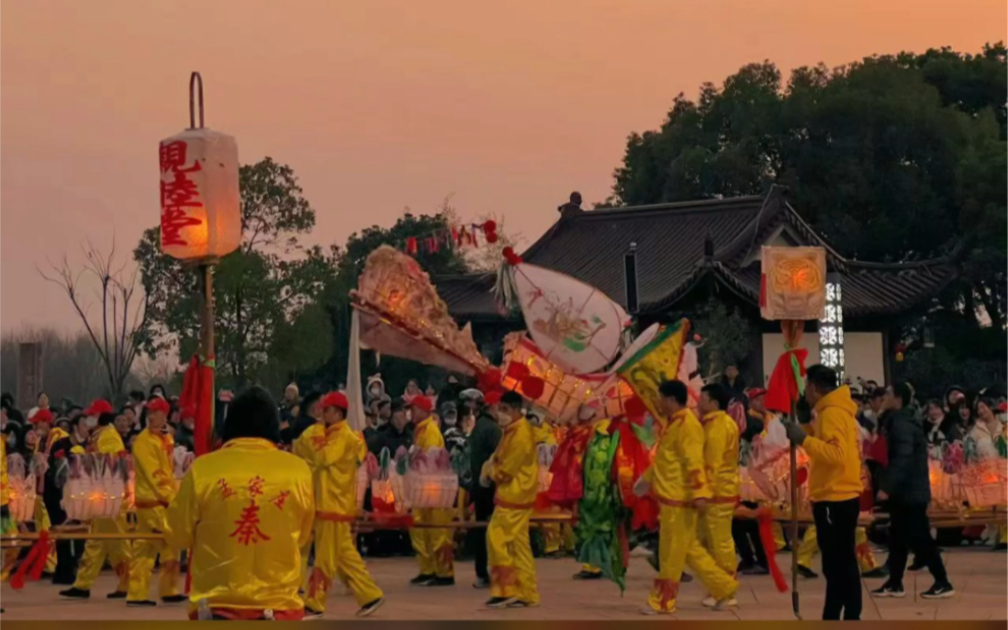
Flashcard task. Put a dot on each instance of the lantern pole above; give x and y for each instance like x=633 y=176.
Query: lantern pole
x=206 y=266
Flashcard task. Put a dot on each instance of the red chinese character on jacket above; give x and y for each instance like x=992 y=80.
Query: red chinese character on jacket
x=247 y=531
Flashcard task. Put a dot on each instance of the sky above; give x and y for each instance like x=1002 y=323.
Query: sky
x=378 y=105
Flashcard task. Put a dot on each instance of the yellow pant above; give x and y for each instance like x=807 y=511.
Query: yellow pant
x=1002 y=534
x=42 y=523
x=778 y=536
x=433 y=547
x=9 y=556
x=118 y=553
x=677 y=548
x=152 y=520
x=809 y=547
x=512 y=568
x=715 y=523
x=551 y=538
x=336 y=556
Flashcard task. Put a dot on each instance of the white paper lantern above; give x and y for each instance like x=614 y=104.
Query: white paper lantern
x=200 y=199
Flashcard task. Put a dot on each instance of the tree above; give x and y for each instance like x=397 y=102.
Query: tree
x=263 y=288
x=893 y=158
x=71 y=366
x=116 y=331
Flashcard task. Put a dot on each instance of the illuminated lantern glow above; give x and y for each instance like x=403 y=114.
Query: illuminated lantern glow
x=200 y=198
x=22 y=489
x=831 y=332
x=792 y=283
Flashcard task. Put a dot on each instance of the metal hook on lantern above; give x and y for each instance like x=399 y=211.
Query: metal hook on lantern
x=195 y=79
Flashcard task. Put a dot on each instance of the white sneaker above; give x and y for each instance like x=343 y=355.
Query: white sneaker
x=710 y=602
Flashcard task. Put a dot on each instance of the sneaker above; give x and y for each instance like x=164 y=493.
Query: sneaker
x=423 y=580
x=938 y=591
x=116 y=595
x=1000 y=546
x=174 y=599
x=587 y=575
x=141 y=603
x=498 y=602
x=877 y=572
x=728 y=602
x=888 y=590
x=522 y=604
x=807 y=573
x=481 y=583
x=755 y=570
x=75 y=593
x=370 y=607
x=442 y=581
x=311 y=613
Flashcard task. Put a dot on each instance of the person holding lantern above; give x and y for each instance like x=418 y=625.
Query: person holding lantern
x=678 y=482
x=721 y=455
x=62 y=445
x=106 y=441
x=834 y=486
x=514 y=468
x=155 y=488
x=433 y=547
x=246 y=510
x=336 y=454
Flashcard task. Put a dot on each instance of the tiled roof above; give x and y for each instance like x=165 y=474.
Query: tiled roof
x=670 y=241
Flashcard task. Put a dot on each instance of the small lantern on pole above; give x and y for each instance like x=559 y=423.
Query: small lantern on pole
x=200 y=222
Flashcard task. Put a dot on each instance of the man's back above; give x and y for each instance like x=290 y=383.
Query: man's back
x=906 y=479
x=246 y=511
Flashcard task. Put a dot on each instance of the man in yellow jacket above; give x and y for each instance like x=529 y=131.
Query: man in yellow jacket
x=334 y=457
x=433 y=546
x=514 y=468
x=721 y=456
x=245 y=511
x=106 y=441
x=834 y=487
x=678 y=482
x=154 y=489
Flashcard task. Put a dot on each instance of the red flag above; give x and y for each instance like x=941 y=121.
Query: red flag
x=197 y=399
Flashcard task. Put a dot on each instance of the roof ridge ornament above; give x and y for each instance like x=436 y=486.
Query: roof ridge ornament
x=572 y=207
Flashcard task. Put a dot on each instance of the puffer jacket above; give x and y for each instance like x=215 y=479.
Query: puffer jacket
x=906 y=479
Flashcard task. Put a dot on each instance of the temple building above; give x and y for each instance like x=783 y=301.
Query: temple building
x=662 y=261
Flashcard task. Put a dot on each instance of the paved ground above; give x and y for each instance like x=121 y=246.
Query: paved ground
x=979 y=576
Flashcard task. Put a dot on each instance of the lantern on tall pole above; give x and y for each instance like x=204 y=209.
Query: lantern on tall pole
x=200 y=224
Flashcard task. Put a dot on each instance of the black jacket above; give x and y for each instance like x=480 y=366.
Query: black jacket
x=391 y=439
x=483 y=441
x=906 y=478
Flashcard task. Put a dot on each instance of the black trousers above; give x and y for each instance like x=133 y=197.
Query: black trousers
x=745 y=533
x=483 y=504
x=835 y=523
x=909 y=528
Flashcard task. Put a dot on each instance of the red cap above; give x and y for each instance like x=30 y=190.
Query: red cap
x=422 y=402
x=335 y=399
x=42 y=415
x=98 y=407
x=156 y=403
x=1003 y=407
x=754 y=392
x=493 y=396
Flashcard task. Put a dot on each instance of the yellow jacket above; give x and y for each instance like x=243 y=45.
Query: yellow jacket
x=155 y=473
x=833 y=449
x=677 y=475
x=426 y=434
x=304 y=445
x=4 y=488
x=108 y=441
x=545 y=434
x=334 y=454
x=514 y=467
x=721 y=455
x=246 y=511
x=55 y=435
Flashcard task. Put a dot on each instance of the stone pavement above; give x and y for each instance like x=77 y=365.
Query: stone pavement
x=979 y=576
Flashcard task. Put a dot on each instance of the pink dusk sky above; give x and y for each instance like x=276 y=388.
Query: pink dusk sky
x=381 y=104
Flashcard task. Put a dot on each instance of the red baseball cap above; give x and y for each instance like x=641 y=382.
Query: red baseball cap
x=42 y=415
x=422 y=402
x=335 y=399
x=754 y=392
x=98 y=407
x=157 y=403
